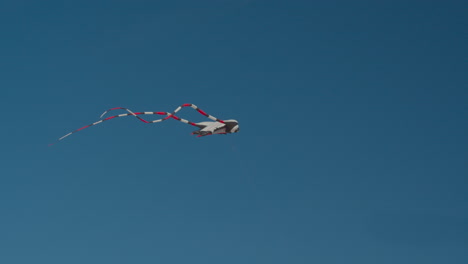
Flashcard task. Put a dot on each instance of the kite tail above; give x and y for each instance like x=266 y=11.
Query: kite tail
x=131 y=113
x=171 y=114
x=196 y=108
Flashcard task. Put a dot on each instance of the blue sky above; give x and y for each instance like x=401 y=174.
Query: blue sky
x=352 y=147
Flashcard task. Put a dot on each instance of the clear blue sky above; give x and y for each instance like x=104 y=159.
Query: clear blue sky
x=352 y=149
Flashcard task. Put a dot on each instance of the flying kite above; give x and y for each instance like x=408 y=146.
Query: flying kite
x=204 y=128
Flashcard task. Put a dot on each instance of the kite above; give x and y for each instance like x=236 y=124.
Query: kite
x=204 y=128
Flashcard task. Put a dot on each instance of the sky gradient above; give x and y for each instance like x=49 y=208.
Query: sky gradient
x=352 y=148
